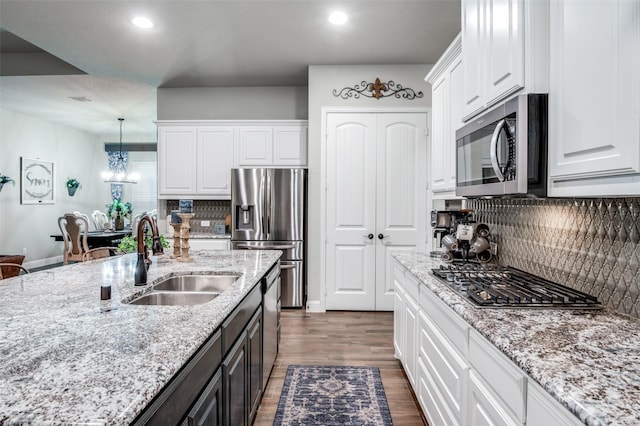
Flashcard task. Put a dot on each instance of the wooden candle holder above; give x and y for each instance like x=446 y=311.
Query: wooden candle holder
x=184 y=237
x=176 y=240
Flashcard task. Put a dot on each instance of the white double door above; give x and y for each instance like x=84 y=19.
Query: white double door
x=376 y=203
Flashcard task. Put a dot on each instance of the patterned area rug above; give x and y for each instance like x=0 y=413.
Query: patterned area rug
x=332 y=395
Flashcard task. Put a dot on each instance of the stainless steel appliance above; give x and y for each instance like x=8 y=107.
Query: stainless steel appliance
x=504 y=152
x=270 y=321
x=269 y=213
x=492 y=286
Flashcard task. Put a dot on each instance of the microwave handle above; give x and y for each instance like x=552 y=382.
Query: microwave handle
x=494 y=150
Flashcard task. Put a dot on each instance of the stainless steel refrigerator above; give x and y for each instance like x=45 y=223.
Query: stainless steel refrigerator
x=269 y=213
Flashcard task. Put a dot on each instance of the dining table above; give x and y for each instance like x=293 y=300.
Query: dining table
x=101 y=238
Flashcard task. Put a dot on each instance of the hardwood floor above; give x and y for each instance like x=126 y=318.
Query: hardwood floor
x=341 y=338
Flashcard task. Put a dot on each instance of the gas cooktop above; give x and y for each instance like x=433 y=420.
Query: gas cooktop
x=492 y=286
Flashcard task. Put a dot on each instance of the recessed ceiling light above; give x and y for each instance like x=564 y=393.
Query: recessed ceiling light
x=338 y=18
x=142 y=22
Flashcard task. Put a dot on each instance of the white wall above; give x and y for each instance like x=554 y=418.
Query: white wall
x=232 y=103
x=75 y=154
x=323 y=79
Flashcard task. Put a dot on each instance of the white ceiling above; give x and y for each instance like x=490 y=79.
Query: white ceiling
x=199 y=43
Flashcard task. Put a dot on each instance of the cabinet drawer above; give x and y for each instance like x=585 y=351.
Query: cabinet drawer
x=431 y=401
x=445 y=366
x=505 y=379
x=484 y=408
x=412 y=286
x=543 y=410
x=448 y=322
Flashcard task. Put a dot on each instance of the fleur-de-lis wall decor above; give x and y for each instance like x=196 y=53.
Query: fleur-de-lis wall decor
x=377 y=90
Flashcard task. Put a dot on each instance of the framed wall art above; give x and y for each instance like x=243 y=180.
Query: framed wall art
x=37 y=181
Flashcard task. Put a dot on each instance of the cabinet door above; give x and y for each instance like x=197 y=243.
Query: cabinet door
x=254 y=358
x=207 y=411
x=440 y=97
x=594 y=137
x=398 y=312
x=177 y=160
x=255 y=146
x=505 y=48
x=473 y=50
x=543 y=410
x=214 y=160
x=290 y=146
x=411 y=339
x=234 y=373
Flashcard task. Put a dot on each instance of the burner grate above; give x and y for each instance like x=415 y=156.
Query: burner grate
x=502 y=286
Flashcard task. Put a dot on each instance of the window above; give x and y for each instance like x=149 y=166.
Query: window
x=143 y=195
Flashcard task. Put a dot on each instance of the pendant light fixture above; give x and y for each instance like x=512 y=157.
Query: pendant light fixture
x=118 y=173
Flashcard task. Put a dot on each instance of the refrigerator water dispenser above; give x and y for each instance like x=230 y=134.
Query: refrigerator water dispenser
x=244 y=217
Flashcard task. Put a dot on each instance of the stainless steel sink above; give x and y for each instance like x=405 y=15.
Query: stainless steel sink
x=198 y=283
x=174 y=298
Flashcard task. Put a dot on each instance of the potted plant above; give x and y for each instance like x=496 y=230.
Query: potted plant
x=72 y=186
x=129 y=244
x=118 y=211
x=6 y=179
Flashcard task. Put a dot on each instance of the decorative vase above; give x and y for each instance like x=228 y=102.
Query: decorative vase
x=119 y=223
x=72 y=190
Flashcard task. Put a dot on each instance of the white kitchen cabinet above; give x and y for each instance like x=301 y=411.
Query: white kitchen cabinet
x=484 y=409
x=195 y=161
x=503 y=50
x=176 y=160
x=543 y=410
x=460 y=377
x=272 y=146
x=398 y=311
x=594 y=102
x=447 y=81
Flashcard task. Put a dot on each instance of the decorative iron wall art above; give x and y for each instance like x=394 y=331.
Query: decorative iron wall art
x=377 y=90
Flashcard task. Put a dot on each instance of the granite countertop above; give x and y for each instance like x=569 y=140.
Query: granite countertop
x=68 y=357
x=587 y=360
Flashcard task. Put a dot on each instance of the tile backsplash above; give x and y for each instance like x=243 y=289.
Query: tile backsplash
x=591 y=245
x=212 y=210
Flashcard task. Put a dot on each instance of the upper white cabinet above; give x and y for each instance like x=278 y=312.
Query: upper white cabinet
x=504 y=49
x=594 y=102
x=284 y=145
x=195 y=161
x=447 y=80
x=195 y=158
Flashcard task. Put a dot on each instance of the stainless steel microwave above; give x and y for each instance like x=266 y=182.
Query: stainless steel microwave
x=504 y=151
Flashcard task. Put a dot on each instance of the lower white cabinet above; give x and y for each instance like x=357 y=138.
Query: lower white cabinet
x=457 y=375
x=483 y=408
x=543 y=410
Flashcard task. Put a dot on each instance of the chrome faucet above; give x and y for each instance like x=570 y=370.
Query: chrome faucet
x=143 y=253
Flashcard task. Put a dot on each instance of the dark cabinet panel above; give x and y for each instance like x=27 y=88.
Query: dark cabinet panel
x=234 y=373
x=254 y=351
x=207 y=411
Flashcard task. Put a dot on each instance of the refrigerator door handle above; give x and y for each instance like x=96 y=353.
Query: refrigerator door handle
x=269 y=247
x=287 y=267
x=268 y=205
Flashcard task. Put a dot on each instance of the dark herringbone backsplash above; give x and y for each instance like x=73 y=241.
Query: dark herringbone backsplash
x=590 y=245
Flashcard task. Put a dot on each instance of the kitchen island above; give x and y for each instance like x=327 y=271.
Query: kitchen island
x=69 y=358
x=586 y=360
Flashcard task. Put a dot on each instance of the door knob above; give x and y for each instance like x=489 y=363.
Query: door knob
x=370 y=236
x=380 y=236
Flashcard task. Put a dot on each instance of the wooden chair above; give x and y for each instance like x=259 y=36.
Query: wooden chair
x=100 y=220
x=74 y=233
x=6 y=270
x=99 y=253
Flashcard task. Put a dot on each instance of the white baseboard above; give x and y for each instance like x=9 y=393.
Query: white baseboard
x=43 y=262
x=314 y=306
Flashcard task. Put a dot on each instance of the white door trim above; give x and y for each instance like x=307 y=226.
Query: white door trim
x=324 y=111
